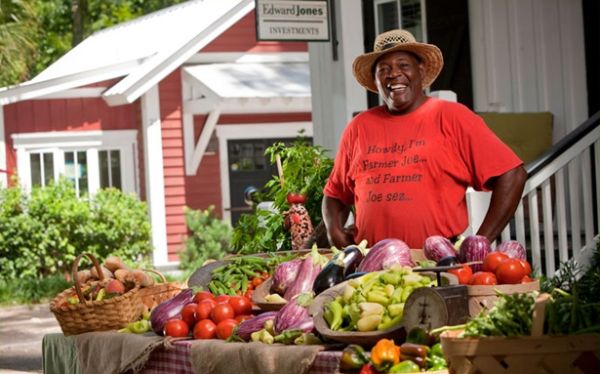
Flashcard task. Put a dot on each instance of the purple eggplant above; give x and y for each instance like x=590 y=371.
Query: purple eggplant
x=284 y=275
x=246 y=328
x=512 y=249
x=294 y=314
x=170 y=309
x=384 y=254
x=474 y=248
x=308 y=272
x=437 y=247
x=342 y=264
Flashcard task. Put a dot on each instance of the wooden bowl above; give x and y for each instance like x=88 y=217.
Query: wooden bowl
x=365 y=339
x=258 y=297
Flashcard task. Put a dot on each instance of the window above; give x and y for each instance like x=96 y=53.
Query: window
x=91 y=160
x=405 y=14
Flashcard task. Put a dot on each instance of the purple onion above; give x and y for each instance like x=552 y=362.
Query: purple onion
x=474 y=248
x=384 y=254
x=170 y=309
x=294 y=314
x=247 y=327
x=437 y=247
x=285 y=275
x=512 y=249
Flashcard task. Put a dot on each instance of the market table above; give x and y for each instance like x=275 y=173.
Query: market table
x=61 y=355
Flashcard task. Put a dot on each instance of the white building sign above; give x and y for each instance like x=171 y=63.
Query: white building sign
x=291 y=20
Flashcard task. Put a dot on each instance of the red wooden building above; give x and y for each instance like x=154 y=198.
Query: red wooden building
x=177 y=107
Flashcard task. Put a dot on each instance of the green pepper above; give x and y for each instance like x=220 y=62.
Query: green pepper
x=436 y=361
x=436 y=350
x=353 y=357
x=405 y=367
x=336 y=311
x=417 y=335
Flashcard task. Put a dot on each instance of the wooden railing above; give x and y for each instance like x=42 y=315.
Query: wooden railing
x=557 y=218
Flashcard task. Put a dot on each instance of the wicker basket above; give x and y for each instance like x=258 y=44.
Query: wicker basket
x=101 y=315
x=527 y=354
x=159 y=292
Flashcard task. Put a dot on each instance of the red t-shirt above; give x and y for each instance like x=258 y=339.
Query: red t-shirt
x=407 y=174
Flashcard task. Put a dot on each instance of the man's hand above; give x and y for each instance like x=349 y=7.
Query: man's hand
x=335 y=214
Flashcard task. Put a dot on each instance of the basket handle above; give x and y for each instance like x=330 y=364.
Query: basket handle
x=163 y=279
x=539 y=314
x=75 y=269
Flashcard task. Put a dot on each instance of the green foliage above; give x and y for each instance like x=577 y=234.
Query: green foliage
x=17 y=40
x=305 y=170
x=41 y=234
x=31 y=291
x=209 y=238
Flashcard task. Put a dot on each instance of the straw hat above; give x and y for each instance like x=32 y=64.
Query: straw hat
x=392 y=41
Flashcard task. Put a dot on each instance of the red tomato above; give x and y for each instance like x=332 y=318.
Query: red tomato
x=295 y=198
x=463 y=274
x=241 y=305
x=176 y=328
x=526 y=279
x=510 y=271
x=222 y=312
x=225 y=328
x=265 y=275
x=201 y=295
x=205 y=329
x=526 y=265
x=204 y=308
x=492 y=260
x=222 y=299
x=249 y=293
x=483 y=278
x=188 y=314
x=257 y=281
x=243 y=317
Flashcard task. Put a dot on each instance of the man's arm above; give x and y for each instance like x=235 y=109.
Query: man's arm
x=506 y=194
x=335 y=214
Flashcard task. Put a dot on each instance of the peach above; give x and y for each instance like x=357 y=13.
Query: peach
x=115 y=286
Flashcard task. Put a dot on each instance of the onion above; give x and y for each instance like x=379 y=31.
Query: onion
x=512 y=249
x=170 y=309
x=384 y=254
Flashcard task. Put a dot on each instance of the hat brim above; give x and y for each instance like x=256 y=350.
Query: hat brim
x=430 y=56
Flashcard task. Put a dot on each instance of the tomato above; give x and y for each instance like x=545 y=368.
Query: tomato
x=463 y=274
x=222 y=312
x=510 y=271
x=250 y=286
x=295 y=198
x=265 y=275
x=527 y=279
x=205 y=329
x=492 y=260
x=201 y=295
x=243 y=317
x=204 y=308
x=188 y=314
x=241 y=305
x=176 y=328
x=225 y=328
x=222 y=299
x=483 y=278
x=526 y=265
x=257 y=281
x=249 y=293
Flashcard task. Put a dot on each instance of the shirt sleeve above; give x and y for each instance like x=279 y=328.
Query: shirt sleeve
x=484 y=154
x=340 y=184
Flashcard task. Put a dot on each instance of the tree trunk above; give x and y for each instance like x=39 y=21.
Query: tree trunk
x=78 y=13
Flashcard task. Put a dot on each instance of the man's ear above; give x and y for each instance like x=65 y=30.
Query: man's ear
x=422 y=70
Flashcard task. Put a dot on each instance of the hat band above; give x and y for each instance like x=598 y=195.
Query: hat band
x=388 y=46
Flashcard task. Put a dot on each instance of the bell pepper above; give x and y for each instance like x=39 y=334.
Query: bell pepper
x=353 y=357
x=367 y=369
x=405 y=367
x=436 y=350
x=385 y=354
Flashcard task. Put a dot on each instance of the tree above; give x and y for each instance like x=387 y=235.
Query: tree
x=17 y=39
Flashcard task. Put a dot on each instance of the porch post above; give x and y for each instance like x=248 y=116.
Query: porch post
x=154 y=174
x=3 y=170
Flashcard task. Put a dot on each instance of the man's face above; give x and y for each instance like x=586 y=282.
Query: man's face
x=398 y=76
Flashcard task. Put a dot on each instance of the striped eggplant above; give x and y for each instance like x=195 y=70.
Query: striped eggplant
x=285 y=275
x=474 y=248
x=384 y=254
x=437 y=247
x=247 y=327
x=294 y=314
x=512 y=249
x=307 y=273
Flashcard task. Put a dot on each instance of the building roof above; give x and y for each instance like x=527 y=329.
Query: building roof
x=142 y=51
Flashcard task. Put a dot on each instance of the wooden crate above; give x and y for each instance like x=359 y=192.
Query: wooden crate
x=484 y=297
x=527 y=354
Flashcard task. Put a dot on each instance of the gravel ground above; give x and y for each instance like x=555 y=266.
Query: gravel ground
x=21 y=331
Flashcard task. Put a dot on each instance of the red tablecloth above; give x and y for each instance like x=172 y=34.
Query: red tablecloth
x=177 y=360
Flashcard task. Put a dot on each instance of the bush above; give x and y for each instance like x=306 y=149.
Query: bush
x=41 y=234
x=209 y=238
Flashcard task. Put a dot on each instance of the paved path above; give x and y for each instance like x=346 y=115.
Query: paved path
x=21 y=331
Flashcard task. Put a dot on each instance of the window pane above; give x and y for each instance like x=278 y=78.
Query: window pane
x=48 y=168
x=115 y=168
x=103 y=167
x=70 y=165
x=387 y=16
x=36 y=169
x=83 y=175
x=411 y=18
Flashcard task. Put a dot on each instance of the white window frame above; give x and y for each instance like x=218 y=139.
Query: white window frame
x=59 y=142
x=376 y=4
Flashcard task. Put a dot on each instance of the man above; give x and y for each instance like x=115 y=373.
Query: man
x=405 y=166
